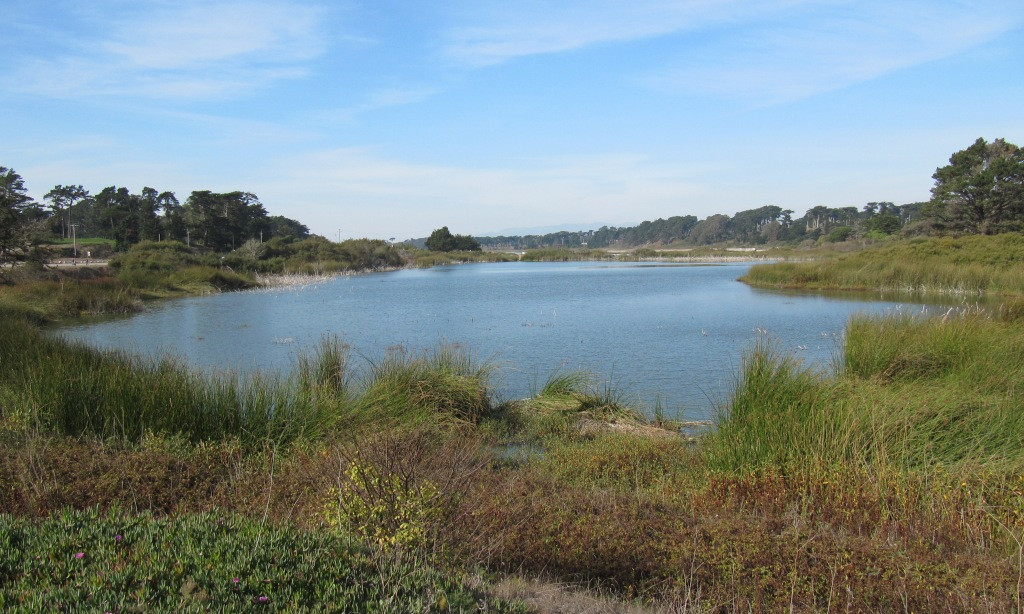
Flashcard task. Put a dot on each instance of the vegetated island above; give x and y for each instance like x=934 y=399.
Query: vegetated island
x=895 y=483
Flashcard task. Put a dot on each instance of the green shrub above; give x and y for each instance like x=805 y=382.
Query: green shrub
x=92 y=561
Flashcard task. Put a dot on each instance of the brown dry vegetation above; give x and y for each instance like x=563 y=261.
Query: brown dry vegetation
x=752 y=542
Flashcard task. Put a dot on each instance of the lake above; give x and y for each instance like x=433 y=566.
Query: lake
x=658 y=333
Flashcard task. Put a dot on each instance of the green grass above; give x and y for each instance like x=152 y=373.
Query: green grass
x=555 y=254
x=441 y=386
x=620 y=462
x=84 y=241
x=912 y=394
x=426 y=259
x=74 y=390
x=970 y=265
x=48 y=300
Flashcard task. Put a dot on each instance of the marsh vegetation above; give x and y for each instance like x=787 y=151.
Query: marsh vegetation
x=893 y=483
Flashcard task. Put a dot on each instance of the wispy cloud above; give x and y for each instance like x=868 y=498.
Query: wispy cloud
x=833 y=46
x=374 y=101
x=494 y=32
x=766 y=51
x=181 y=50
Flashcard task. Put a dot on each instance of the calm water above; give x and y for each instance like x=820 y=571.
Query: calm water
x=658 y=332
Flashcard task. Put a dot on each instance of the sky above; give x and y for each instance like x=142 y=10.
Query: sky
x=390 y=118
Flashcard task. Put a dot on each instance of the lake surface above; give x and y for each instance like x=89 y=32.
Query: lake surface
x=656 y=332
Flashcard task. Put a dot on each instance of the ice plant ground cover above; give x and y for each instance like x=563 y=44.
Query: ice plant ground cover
x=115 y=561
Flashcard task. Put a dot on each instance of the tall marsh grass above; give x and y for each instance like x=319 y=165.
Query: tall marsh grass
x=443 y=385
x=74 y=390
x=968 y=265
x=52 y=299
x=911 y=393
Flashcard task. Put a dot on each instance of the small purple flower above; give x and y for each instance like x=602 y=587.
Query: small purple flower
x=263 y=599
x=118 y=537
x=234 y=580
x=79 y=555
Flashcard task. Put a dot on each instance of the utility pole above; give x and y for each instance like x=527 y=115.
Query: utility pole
x=74 y=241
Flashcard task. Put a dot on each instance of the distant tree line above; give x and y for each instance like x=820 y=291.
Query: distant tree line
x=981 y=190
x=766 y=224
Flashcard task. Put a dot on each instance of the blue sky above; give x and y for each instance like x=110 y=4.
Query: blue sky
x=391 y=118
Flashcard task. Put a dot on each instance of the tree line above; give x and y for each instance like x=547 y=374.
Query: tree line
x=214 y=221
x=767 y=224
x=981 y=190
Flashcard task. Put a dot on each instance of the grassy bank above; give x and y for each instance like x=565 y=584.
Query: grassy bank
x=968 y=266
x=155 y=270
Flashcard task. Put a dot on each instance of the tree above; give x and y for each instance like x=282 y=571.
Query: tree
x=281 y=226
x=710 y=230
x=981 y=190
x=62 y=199
x=15 y=205
x=222 y=222
x=442 y=240
x=173 y=223
x=118 y=213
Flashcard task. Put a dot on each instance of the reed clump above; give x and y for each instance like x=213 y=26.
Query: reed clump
x=426 y=259
x=439 y=386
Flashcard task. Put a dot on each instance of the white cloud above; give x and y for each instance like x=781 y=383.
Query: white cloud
x=189 y=50
x=500 y=31
x=766 y=51
x=202 y=34
x=832 y=47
